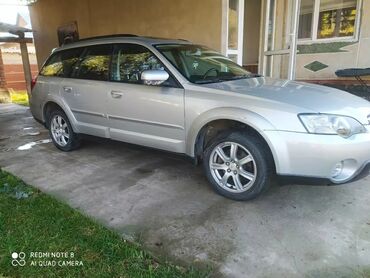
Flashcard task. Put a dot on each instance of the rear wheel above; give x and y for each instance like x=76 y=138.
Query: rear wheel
x=238 y=165
x=61 y=132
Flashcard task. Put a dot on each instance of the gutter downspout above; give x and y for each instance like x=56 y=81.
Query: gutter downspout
x=294 y=40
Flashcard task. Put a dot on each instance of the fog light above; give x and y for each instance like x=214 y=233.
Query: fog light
x=344 y=171
x=337 y=170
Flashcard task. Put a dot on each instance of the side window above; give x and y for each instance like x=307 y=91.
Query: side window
x=130 y=60
x=69 y=59
x=94 y=65
x=60 y=64
x=53 y=66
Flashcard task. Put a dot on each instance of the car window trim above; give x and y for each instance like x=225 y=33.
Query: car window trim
x=177 y=82
x=115 y=45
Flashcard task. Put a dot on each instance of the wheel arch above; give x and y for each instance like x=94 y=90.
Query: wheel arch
x=53 y=104
x=208 y=125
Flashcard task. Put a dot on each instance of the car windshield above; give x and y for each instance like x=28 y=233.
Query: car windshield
x=202 y=65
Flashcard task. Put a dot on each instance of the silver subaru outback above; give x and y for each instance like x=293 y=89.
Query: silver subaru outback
x=185 y=98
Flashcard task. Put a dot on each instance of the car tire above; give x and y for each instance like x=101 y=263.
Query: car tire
x=243 y=175
x=61 y=132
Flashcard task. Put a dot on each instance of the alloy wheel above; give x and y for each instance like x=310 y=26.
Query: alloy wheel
x=233 y=167
x=59 y=130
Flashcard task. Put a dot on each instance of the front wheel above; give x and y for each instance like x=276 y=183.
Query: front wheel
x=238 y=165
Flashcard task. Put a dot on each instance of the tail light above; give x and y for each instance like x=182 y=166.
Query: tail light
x=33 y=82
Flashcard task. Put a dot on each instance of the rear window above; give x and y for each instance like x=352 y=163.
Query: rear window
x=95 y=63
x=61 y=63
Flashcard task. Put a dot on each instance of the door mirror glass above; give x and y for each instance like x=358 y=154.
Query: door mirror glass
x=154 y=77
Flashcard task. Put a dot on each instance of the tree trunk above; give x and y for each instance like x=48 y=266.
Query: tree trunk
x=4 y=93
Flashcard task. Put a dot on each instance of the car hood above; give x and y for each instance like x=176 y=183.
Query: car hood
x=306 y=97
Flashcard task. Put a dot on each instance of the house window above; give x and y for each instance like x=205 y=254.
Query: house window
x=305 y=19
x=235 y=22
x=328 y=19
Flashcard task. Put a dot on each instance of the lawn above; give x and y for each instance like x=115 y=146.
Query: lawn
x=33 y=222
x=19 y=97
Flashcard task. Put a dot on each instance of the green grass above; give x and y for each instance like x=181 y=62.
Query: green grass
x=31 y=221
x=19 y=97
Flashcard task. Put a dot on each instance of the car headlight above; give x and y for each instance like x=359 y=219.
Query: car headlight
x=331 y=124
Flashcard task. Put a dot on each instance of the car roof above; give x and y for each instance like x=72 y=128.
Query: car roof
x=127 y=38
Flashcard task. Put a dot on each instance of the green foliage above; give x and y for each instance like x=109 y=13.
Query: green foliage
x=19 y=97
x=96 y=63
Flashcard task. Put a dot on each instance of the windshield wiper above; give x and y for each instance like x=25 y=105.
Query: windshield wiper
x=237 y=77
x=226 y=78
x=206 y=81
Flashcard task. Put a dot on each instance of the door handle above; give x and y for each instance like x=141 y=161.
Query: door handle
x=67 y=89
x=116 y=94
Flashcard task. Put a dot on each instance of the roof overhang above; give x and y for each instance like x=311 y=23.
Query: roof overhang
x=14 y=30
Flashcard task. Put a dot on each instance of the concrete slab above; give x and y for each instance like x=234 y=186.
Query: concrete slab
x=164 y=202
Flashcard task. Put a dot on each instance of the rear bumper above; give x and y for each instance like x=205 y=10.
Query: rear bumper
x=317 y=156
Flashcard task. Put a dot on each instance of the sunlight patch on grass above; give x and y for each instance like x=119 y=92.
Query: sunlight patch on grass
x=19 y=97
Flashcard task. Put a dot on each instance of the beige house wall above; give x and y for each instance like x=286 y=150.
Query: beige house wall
x=202 y=22
x=198 y=21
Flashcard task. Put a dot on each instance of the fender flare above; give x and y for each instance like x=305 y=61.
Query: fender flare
x=61 y=103
x=252 y=119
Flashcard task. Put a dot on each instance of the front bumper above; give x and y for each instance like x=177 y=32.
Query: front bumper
x=317 y=156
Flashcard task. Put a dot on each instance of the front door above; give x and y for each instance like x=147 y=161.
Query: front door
x=141 y=114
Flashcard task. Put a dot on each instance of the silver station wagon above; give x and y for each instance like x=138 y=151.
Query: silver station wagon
x=180 y=97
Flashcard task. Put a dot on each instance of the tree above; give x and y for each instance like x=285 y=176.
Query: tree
x=4 y=93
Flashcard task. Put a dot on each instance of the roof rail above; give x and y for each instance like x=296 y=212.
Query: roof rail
x=107 y=37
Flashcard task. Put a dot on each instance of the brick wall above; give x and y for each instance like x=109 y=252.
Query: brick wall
x=4 y=94
x=15 y=77
x=2 y=76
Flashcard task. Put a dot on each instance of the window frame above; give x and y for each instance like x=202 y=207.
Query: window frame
x=114 y=45
x=315 y=25
x=177 y=84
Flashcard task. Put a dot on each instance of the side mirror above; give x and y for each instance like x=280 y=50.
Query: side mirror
x=154 y=77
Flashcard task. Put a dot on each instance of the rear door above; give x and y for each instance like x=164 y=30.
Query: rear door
x=144 y=114
x=86 y=90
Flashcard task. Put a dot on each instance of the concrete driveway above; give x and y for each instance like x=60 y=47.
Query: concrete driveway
x=164 y=202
